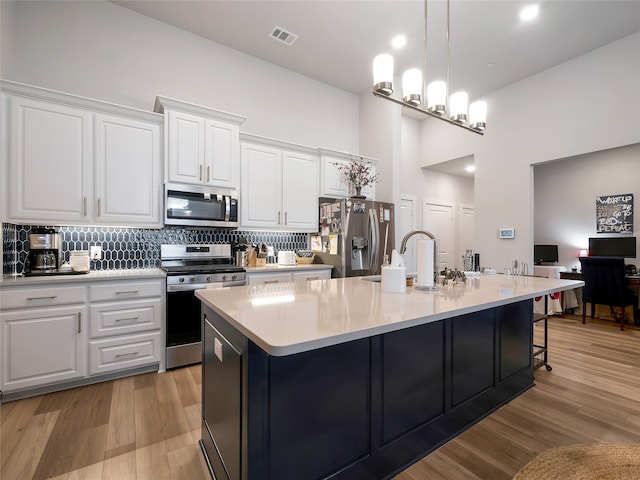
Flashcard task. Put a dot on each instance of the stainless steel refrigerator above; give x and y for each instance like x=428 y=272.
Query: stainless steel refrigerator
x=354 y=235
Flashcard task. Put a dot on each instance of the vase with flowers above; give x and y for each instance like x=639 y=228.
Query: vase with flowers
x=358 y=174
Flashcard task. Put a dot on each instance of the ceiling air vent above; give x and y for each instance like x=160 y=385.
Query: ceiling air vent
x=280 y=34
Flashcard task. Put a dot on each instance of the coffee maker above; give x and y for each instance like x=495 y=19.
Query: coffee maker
x=45 y=251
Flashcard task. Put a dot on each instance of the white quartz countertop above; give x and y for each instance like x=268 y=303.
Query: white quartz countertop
x=288 y=268
x=289 y=318
x=93 y=275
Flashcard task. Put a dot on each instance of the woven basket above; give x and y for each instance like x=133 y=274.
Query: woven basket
x=305 y=260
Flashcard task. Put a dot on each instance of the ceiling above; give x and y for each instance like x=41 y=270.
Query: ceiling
x=338 y=39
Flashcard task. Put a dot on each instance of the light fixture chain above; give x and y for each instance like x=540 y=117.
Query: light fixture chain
x=448 y=85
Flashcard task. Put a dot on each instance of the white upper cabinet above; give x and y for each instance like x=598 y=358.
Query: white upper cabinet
x=202 y=144
x=49 y=161
x=79 y=161
x=331 y=182
x=279 y=186
x=127 y=171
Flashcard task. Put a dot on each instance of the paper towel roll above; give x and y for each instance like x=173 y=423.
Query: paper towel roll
x=424 y=261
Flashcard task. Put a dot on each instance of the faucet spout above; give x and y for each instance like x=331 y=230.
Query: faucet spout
x=405 y=239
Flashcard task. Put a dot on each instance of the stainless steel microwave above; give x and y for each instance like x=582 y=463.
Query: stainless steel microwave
x=201 y=206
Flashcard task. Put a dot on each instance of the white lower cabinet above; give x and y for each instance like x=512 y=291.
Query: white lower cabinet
x=41 y=346
x=308 y=275
x=55 y=334
x=125 y=322
x=260 y=278
x=265 y=278
x=123 y=352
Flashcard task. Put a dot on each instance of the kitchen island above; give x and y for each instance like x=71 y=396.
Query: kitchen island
x=337 y=379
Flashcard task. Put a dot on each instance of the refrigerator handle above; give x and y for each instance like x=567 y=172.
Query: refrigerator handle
x=374 y=235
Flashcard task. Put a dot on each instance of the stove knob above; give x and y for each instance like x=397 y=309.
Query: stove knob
x=224 y=278
x=181 y=279
x=234 y=277
x=208 y=278
x=191 y=279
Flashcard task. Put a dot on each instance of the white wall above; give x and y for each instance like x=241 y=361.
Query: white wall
x=565 y=198
x=100 y=50
x=587 y=104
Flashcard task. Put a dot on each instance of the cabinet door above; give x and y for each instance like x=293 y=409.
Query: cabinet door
x=300 y=195
x=127 y=172
x=261 y=190
x=43 y=346
x=331 y=181
x=221 y=154
x=186 y=148
x=50 y=162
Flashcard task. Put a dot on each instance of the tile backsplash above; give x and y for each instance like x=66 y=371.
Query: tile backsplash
x=131 y=248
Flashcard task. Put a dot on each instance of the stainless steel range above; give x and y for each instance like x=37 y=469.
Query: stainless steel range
x=189 y=268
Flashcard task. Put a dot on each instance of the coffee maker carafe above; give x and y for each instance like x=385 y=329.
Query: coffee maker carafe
x=45 y=251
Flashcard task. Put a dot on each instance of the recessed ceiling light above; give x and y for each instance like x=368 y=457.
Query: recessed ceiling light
x=470 y=168
x=398 y=41
x=529 y=12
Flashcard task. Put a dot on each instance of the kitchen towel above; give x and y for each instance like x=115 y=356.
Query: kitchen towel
x=424 y=259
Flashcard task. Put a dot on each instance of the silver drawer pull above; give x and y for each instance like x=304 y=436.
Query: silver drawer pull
x=79 y=322
x=130 y=354
x=127 y=318
x=122 y=292
x=271 y=281
x=313 y=278
x=49 y=297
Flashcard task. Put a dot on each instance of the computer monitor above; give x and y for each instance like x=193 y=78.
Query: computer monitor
x=612 y=247
x=545 y=254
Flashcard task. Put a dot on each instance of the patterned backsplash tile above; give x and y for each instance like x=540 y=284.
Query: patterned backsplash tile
x=131 y=248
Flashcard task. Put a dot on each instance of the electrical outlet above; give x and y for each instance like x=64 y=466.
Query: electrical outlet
x=96 y=252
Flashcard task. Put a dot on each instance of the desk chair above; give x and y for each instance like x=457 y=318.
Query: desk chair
x=605 y=284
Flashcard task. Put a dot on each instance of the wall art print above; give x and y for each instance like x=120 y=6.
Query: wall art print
x=614 y=213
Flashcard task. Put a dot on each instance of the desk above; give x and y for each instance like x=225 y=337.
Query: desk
x=556 y=304
x=633 y=282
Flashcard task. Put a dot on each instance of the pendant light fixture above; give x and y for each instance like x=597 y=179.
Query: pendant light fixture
x=454 y=111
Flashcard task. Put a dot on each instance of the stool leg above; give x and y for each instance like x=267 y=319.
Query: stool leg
x=584 y=312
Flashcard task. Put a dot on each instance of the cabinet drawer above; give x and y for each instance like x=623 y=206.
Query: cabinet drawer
x=124 y=317
x=41 y=296
x=122 y=353
x=311 y=275
x=125 y=290
x=262 y=278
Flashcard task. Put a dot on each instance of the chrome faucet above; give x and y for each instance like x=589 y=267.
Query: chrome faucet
x=403 y=248
x=405 y=239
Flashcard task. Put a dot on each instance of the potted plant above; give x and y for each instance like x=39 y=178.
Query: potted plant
x=358 y=174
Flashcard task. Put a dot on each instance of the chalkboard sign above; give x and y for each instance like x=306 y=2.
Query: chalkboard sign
x=614 y=213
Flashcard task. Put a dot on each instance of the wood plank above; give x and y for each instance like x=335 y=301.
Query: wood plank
x=122 y=424
x=26 y=456
x=185 y=463
x=152 y=462
x=14 y=419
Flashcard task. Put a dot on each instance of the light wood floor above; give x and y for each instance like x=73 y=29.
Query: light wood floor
x=147 y=427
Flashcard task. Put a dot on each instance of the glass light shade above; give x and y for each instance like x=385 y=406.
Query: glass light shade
x=383 y=74
x=412 y=87
x=478 y=115
x=437 y=97
x=583 y=253
x=458 y=107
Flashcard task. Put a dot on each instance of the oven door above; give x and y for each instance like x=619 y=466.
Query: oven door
x=200 y=206
x=183 y=327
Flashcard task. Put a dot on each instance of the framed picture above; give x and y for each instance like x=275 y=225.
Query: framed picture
x=507 y=232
